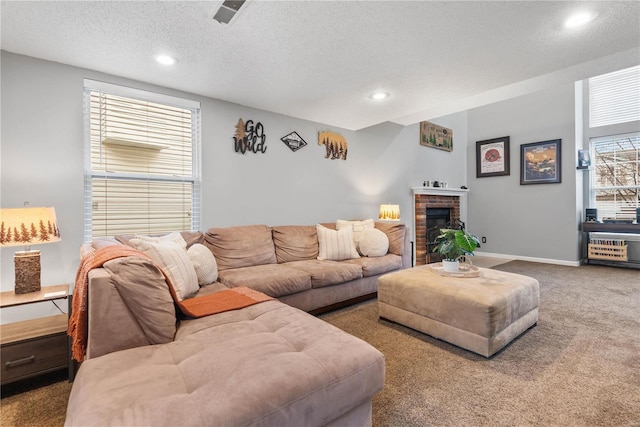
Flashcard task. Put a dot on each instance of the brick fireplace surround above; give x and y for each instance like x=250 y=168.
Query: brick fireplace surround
x=427 y=197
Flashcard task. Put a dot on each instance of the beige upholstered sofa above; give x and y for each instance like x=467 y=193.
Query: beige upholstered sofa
x=266 y=364
x=282 y=262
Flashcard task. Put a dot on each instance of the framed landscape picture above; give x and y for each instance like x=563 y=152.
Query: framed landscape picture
x=432 y=135
x=540 y=162
x=492 y=157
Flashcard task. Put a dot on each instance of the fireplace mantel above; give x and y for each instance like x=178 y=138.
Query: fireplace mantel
x=441 y=197
x=439 y=191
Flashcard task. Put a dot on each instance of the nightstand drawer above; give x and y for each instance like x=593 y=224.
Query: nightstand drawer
x=24 y=359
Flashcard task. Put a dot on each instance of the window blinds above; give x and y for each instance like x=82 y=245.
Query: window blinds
x=614 y=97
x=142 y=166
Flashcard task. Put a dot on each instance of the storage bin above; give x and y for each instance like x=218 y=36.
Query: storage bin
x=608 y=252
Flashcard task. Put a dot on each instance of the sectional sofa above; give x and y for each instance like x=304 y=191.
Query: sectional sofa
x=269 y=363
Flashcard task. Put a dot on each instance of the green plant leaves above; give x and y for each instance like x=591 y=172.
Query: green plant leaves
x=467 y=242
x=453 y=243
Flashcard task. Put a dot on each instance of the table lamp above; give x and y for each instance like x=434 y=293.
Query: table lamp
x=389 y=213
x=24 y=227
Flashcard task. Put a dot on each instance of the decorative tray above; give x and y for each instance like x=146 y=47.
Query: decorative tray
x=438 y=269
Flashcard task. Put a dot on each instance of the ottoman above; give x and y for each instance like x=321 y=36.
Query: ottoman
x=481 y=314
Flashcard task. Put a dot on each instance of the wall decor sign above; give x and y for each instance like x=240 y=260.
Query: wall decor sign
x=540 y=162
x=492 y=157
x=249 y=137
x=335 y=144
x=293 y=141
x=432 y=135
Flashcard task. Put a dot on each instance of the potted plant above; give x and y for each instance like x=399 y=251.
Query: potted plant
x=452 y=244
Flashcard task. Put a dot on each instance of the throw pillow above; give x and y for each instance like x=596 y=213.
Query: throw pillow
x=336 y=245
x=357 y=226
x=173 y=260
x=190 y=237
x=174 y=237
x=374 y=243
x=204 y=263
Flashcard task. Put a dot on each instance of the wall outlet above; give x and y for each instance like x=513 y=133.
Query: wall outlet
x=484 y=239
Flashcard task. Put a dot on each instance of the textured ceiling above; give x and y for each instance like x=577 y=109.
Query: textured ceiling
x=320 y=60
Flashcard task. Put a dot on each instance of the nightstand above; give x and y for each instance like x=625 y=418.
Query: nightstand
x=33 y=347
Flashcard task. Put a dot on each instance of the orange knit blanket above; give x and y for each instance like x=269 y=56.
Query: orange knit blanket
x=227 y=300
x=79 y=308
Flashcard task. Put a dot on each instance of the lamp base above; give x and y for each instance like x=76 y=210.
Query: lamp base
x=27 y=266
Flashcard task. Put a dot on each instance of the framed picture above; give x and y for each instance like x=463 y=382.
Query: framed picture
x=435 y=136
x=492 y=157
x=540 y=162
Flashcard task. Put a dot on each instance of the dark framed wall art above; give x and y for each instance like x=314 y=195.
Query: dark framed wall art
x=492 y=157
x=540 y=162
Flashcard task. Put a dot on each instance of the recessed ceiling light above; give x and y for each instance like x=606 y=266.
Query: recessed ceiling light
x=166 y=59
x=579 y=19
x=380 y=95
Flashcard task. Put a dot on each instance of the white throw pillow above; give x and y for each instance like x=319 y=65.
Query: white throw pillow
x=175 y=263
x=204 y=263
x=358 y=227
x=174 y=237
x=336 y=245
x=374 y=243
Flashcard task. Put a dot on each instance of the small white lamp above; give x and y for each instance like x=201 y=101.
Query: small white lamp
x=389 y=213
x=23 y=227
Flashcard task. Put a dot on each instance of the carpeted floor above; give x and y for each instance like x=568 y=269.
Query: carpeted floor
x=579 y=367
x=36 y=402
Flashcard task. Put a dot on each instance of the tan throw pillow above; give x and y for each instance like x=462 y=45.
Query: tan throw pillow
x=173 y=260
x=358 y=227
x=373 y=243
x=336 y=245
x=204 y=264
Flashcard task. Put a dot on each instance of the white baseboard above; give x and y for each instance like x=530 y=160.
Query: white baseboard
x=528 y=258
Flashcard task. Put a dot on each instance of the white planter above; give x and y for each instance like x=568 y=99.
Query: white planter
x=450 y=266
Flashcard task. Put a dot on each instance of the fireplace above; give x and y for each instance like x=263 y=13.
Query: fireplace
x=437 y=218
x=446 y=205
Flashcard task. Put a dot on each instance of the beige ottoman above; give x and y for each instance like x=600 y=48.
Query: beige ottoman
x=482 y=314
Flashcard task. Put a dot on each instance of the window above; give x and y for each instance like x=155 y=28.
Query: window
x=614 y=97
x=615 y=186
x=142 y=162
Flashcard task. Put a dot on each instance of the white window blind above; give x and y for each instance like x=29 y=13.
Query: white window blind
x=142 y=163
x=615 y=186
x=614 y=97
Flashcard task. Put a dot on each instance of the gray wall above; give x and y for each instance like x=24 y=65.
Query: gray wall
x=42 y=162
x=538 y=221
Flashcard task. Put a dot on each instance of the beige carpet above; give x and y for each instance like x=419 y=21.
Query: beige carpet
x=36 y=402
x=487 y=262
x=579 y=367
